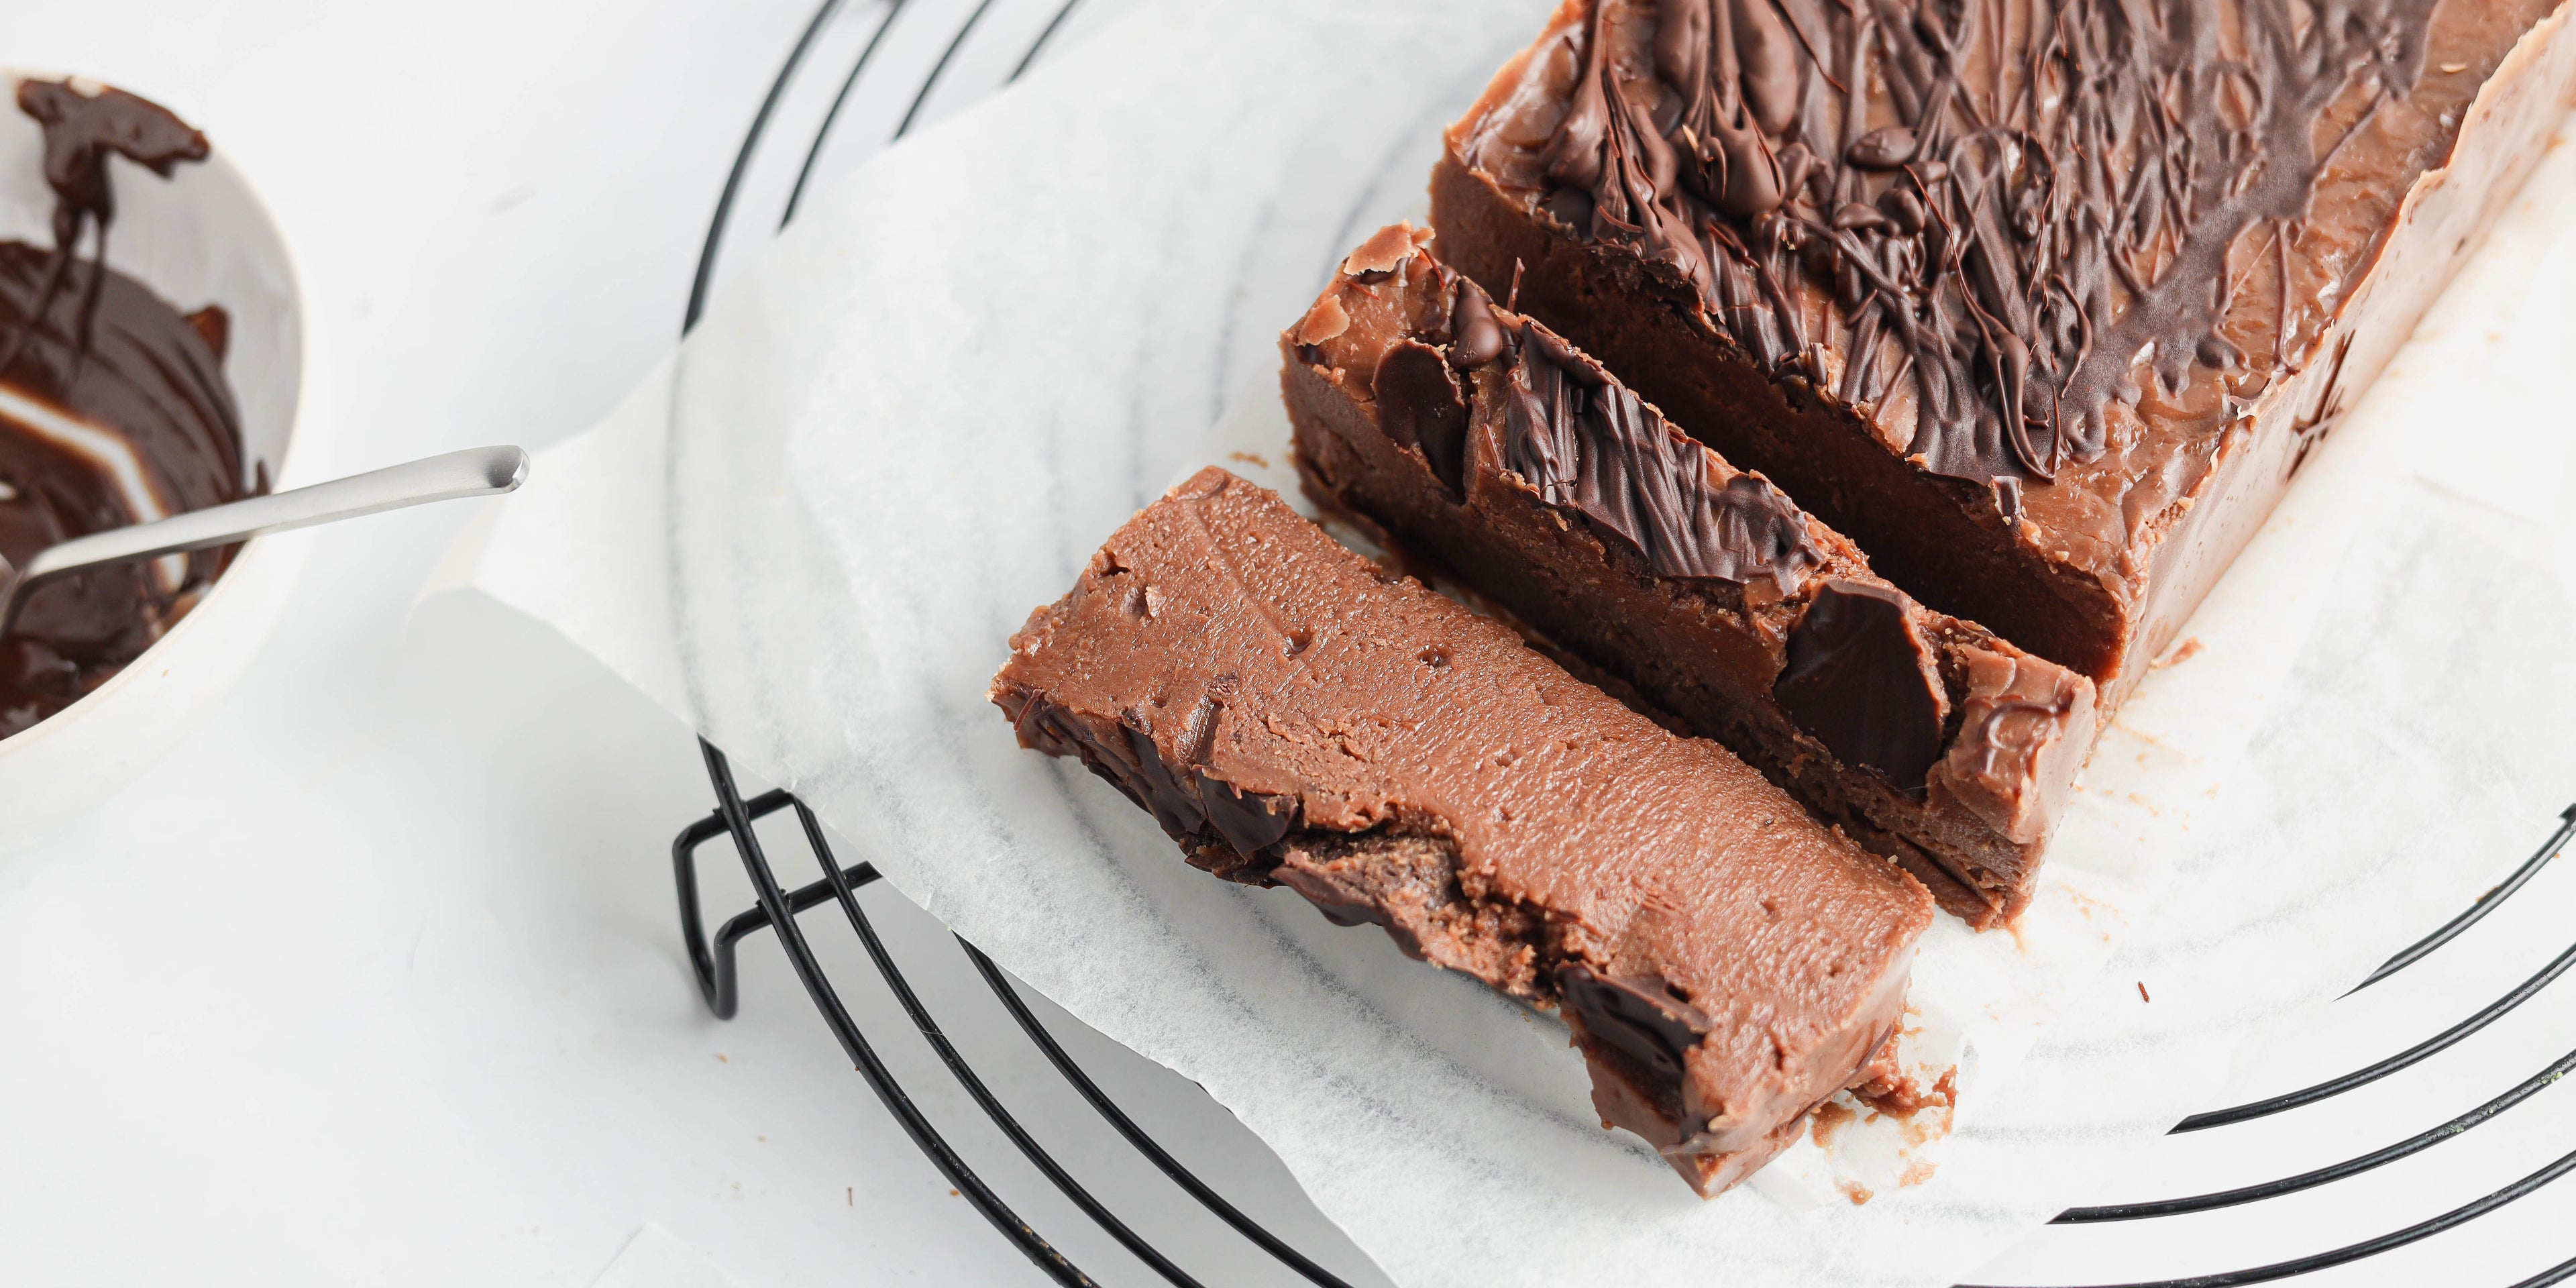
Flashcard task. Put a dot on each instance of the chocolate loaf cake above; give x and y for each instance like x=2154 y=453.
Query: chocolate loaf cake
x=1294 y=715
x=2042 y=304
x=1480 y=439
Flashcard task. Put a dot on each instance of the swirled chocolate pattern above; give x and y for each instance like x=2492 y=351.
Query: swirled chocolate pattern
x=1587 y=443
x=2037 y=208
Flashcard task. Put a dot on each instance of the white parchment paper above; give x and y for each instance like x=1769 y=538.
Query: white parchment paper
x=811 y=530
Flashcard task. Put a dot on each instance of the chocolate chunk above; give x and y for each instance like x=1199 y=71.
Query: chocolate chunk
x=1571 y=207
x=1638 y=1017
x=1249 y=821
x=1343 y=893
x=1171 y=804
x=1861 y=680
x=1050 y=728
x=1131 y=764
x=1419 y=406
x=1342 y=902
x=1588 y=444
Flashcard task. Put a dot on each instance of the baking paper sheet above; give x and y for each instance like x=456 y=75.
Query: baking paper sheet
x=810 y=532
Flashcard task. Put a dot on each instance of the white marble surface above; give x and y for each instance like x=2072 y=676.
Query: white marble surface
x=376 y=978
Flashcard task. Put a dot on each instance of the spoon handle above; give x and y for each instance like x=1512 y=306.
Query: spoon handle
x=479 y=471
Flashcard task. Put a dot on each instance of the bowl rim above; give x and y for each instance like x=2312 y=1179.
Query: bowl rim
x=290 y=455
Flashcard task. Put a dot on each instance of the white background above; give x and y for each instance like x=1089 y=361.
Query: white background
x=377 y=978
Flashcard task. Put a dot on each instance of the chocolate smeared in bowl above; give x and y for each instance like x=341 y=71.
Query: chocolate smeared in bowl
x=113 y=409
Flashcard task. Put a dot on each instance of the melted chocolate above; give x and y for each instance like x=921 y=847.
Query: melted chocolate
x=94 y=346
x=2052 y=206
x=81 y=130
x=1588 y=444
x=1248 y=822
x=1861 y=680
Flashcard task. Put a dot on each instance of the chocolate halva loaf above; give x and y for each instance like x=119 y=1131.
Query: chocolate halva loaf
x=2041 y=303
x=1294 y=715
x=1482 y=441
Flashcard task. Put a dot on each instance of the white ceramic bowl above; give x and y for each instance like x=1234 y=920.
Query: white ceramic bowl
x=199 y=237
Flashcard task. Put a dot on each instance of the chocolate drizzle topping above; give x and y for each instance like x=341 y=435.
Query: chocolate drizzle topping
x=1861 y=680
x=1588 y=444
x=2053 y=205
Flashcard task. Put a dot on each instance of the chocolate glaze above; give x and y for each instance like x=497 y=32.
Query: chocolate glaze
x=1735 y=659
x=2042 y=303
x=1586 y=442
x=93 y=345
x=81 y=131
x=1294 y=715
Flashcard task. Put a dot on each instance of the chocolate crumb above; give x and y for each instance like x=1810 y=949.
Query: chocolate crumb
x=2183 y=652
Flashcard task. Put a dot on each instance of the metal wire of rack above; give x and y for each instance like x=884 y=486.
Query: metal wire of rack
x=714 y=957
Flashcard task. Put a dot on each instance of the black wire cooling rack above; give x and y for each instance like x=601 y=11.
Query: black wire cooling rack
x=914 y=83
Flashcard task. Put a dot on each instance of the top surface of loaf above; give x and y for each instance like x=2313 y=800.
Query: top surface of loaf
x=1243 y=641
x=2026 y=241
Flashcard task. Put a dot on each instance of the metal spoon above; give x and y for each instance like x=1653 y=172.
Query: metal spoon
x=480 y=471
